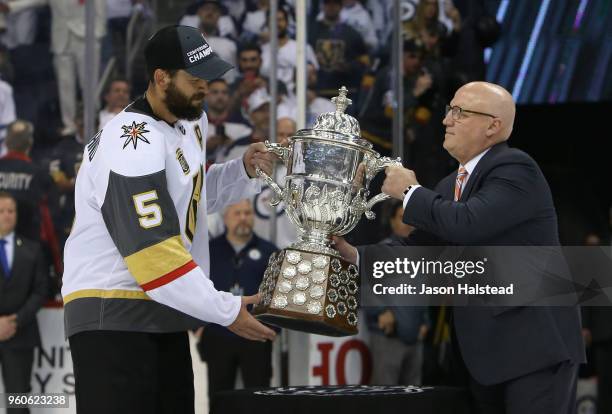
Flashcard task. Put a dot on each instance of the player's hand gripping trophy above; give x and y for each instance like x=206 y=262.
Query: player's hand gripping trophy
x=307 y=286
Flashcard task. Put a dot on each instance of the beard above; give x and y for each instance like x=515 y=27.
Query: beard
x=243 y=231
x=183 y=107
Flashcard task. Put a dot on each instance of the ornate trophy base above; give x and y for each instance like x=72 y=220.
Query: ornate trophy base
x=309 y=292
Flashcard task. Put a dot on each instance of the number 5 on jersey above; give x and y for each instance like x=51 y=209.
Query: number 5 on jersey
x=150 y=213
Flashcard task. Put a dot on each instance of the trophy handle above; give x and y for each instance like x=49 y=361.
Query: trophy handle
x=378 y=165
x=278 y=150
x=278 y=191
x=283 y=154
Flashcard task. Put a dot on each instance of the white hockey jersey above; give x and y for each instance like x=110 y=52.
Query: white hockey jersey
x=137 y=258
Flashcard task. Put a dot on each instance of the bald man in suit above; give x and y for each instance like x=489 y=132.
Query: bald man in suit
x=520 y=360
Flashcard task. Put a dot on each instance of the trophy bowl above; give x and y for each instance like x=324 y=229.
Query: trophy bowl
x=308 y=287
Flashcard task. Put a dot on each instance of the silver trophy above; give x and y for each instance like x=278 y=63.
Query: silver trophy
x=307 y=286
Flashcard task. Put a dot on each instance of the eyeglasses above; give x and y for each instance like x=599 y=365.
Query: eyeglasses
x=457 y=112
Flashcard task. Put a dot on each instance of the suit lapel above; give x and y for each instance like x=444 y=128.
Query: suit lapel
x=17 y=256
x=449 y=190
x=471 y=181
x=482 y=165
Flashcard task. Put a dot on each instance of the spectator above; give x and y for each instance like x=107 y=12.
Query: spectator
x=68 y=47
x=23 y=179
x=355 y=15
x=340 y=51
x=427 y=14
x=286 y=232
x=209 y=14
x=240 y=261
x=285 y=129
x=382 y=16
x=316 y=104
x=254 y=25
x=258 y=105
x=439 y=38
x=287 y=103
x=423 y=110
x=379 y=113
x=18 y=29
x=7 y=111
x=431 y=35
x=435 y=59
x=23 y=289
x=194 y=16
x=118 y=14
x=250 y=79
x=398 y=230
x=286 y=55
x=236 y=8
x=66 y=158
x=397 y=334
x=223 y=126
x=117 y=97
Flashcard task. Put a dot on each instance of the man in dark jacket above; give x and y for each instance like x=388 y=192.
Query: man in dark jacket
x=519 y=359
x=238 y=261
x=23 y=288
x=23 y=179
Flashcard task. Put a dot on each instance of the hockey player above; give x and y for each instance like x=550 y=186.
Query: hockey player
x=137 y=260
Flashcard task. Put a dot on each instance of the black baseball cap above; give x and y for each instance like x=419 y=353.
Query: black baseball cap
x=184 y=47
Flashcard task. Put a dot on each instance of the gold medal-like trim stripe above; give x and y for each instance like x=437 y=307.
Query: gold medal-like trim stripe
x=106 y=294
x=158 y=260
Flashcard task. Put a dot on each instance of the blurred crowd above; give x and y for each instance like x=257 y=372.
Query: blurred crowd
x=43 y=71
x=42 y=78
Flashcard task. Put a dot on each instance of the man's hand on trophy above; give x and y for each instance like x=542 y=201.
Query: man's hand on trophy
x=247 y=326
x=346 y=250
x=257 y=155
x=397 y=180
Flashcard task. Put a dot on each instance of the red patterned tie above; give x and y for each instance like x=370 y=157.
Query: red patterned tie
x=461 y=176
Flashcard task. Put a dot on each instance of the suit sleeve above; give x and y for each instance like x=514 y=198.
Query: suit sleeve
x=505 y=199
x=143 y=223
x=38 y=293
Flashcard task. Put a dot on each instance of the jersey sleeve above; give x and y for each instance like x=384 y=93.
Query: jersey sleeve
x=228 y=183
x=142 y=221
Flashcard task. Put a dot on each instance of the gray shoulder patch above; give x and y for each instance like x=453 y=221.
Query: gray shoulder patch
x=138 y=211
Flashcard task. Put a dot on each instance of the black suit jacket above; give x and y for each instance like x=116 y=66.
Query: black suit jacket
x=24 y=292
x=506 y=202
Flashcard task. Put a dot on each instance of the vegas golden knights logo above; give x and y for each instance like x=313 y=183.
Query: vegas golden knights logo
x=330 y=53
x=182 y=161
x=198 y=133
